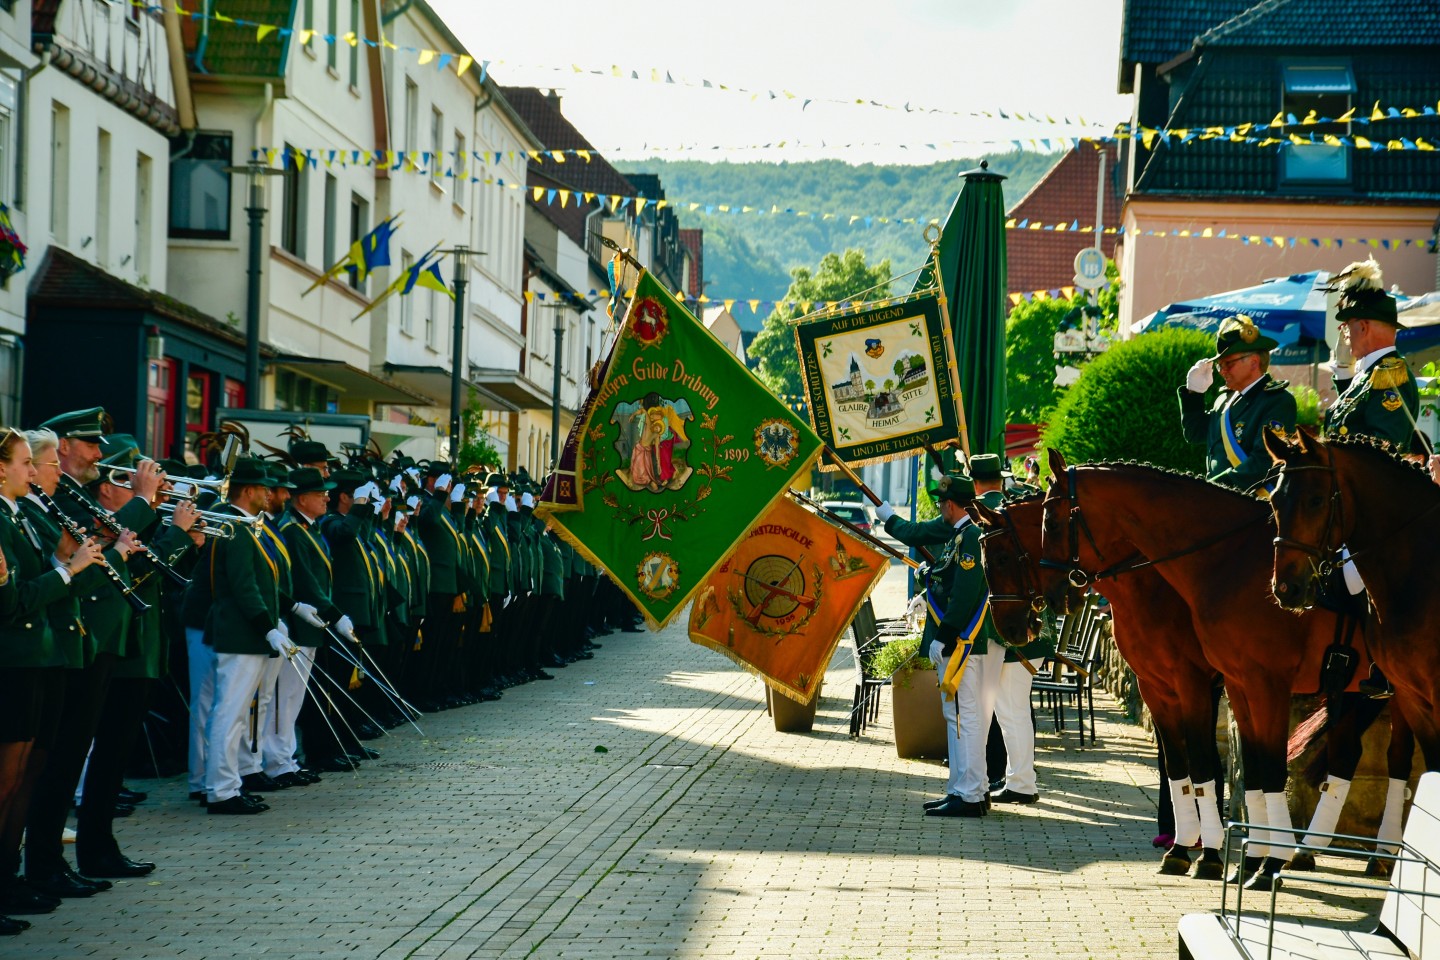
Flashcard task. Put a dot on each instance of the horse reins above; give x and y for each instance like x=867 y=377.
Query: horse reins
x=1032 y=596
x=1080 y=578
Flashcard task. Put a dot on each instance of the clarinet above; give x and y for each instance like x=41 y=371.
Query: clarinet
x=79 y=536
x=111 y=524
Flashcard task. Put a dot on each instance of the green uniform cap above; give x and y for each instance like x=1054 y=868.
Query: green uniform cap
x=251 y=472
x=1362 y=294
x=89 y=424
x=280 y=474
x=309 y=480
x=309 y=451
x=955 y=487
x=1238 y=334
x=986 y=466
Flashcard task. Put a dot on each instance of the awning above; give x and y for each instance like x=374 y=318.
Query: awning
x=352 y=381
x=513 y=386
x=435 y=381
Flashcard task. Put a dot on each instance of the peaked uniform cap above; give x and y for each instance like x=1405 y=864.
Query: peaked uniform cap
x=251 y=472
x=309 y=451
x=986 y=466
x=955 y=487
x=280 y=474
x=1361 y=286
x=309 y=480
x=91 y=424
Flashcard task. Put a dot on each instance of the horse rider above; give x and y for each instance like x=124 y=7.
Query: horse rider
x=1249 y=400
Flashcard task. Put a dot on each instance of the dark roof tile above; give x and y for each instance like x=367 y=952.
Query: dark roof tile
x=231 y=50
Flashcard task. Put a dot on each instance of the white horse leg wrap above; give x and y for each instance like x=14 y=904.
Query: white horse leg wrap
x=1212 y=832
x=1282 y=834
x=1327 y=812
x=1255 y=813
x=1187 y=818
x=1392 y=823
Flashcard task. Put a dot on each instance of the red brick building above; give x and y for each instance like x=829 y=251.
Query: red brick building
x=1042 y=259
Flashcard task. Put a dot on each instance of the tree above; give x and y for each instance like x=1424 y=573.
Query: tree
x=476 y=447
x=839 y=277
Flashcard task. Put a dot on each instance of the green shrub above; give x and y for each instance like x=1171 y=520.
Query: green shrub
x=900 y=652
x=1307 y=404
x=1124 y=406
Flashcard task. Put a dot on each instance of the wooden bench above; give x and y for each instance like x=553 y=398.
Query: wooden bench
x=1408 y=923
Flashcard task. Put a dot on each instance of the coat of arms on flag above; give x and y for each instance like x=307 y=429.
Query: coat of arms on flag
x=878 y=381
x=780 y=602
x=675 y=453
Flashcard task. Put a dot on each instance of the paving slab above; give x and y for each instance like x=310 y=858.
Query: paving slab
x=699 y=832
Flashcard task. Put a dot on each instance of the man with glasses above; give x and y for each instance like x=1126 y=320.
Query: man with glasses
x=1381 y=400
x=1233 y=426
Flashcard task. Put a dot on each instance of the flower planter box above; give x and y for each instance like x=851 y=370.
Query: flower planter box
x=915 y=706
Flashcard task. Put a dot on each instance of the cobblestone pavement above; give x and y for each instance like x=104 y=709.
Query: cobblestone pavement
x=698 y=832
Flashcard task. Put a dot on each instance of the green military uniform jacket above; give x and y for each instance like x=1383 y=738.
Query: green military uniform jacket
x=103 y=609
x=311 y=577
x=393 y=597
x=502 y=557
x=521 y=557
x=1382 y=403
x=966 y=605
x=245 y=592
x=552 y=579
x=354 y=580
x=148 y=655
x=35 y=599
x=479 y=586
x=269 y=533
x=442 y=543
x=76 y=646
x=418 y=560
x=1267 y=403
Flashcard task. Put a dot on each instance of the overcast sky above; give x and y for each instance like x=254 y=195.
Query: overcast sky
x=1049 y=57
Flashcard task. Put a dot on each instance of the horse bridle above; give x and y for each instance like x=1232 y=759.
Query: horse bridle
x=1079 y=578
x=1032 y=596
x=1322 y=555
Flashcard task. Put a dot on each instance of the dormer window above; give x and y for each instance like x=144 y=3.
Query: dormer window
x=1318 y=89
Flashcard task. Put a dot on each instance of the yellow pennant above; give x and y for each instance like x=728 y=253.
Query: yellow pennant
x=463 y=64
x=264 y=30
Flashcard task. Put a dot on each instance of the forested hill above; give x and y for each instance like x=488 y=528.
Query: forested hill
x=750 y=255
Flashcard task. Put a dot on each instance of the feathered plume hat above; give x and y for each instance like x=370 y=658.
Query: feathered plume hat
x=1362 y=294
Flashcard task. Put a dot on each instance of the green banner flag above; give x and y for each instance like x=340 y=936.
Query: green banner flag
x=678 y=451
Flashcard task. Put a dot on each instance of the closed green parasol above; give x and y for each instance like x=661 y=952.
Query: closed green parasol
x=973 y=268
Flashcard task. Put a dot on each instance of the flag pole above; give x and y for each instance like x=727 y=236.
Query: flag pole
x=873 y=540
x=932 y=236
x=874 y=497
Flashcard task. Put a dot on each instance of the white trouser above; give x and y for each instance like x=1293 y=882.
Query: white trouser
x=277 y=743
x=952 y=733
x=1012 y=709
x=202 y=700
x=979 y=687
x=237 y=677
x=253 y=761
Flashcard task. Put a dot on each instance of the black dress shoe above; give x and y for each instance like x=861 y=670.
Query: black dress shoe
x=542 y=675
x=932 y=804
x=366 y=730
x=123 y=809
x=308 y=776
x=198 y=795
x=61 y=884
x=367 y=754
x=97 y=883
x=255 y=782
x=1010 y=796
x=9 y=926
x=22 y=900
x=956 y=807
x=336 y=764
x=132 y=797
x=287 y=780
x=117 y=865
x=238 y=806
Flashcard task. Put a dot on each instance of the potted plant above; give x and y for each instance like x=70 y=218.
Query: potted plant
x=914 y=698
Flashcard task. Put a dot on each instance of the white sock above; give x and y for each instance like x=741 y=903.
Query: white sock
x=1392 y=823
x=1327 y=812
x=1255 y=813
x=1187 y=818
x=1212 y=831
x=1282 y=834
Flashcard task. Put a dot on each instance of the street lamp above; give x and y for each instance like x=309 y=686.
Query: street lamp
x=255 y=173
x=461 y=253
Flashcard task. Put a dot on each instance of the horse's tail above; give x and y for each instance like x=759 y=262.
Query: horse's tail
x=1306 y=732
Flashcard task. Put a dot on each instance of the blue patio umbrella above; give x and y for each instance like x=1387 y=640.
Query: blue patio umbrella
x=1289 y=309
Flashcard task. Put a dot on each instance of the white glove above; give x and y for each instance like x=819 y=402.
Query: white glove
x=414 y=503
x=1201 y=375
x=395 y=483
x=413 y=473
x=510 y=503
x=458 y=493
x=884 y=512
x=362 y=492
x=345 y=627
x=279 y=642
x=443 y=481
x=527 y=500
x=309 y=614
x=284 y=628
x=492 y=496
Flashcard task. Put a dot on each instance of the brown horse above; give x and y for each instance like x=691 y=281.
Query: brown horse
x=1212 y=545
x=1153 y=632
x=1387 y=512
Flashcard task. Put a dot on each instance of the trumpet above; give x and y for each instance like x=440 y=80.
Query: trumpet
x=212 y=522
x=196 y=487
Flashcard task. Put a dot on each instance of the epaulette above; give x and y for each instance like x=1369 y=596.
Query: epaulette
x=1389 y=373
x=1277 y=384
